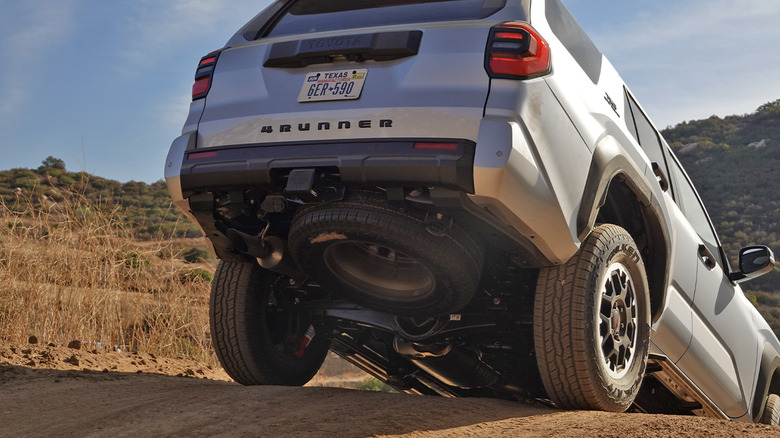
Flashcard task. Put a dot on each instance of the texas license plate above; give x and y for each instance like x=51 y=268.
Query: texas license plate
x=332 y=85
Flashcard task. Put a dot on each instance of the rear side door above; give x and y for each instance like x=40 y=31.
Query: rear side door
x=722 y=356
x=671 y=332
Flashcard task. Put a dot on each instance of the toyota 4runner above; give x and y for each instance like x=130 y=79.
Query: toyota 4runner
x=460 y=197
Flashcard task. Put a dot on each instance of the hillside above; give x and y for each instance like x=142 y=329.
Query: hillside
x=735 y=164
x=146 y=208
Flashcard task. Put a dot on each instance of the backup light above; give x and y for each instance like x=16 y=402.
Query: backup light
x=202 y=83
x=516 y=51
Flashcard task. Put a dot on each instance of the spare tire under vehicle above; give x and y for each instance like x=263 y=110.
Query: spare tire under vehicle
x=385 y=259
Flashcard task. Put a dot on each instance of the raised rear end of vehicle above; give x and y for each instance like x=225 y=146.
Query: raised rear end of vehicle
x=452 y=195
x=392 y=169
x=303 y=107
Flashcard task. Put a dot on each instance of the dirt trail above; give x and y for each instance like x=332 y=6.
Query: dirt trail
x=55 y=391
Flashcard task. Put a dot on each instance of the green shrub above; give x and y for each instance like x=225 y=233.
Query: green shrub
x=376 y=385
x=13 y=225
x=196 y=275
x=67 y=180
x=195 y=255
x=132 y=259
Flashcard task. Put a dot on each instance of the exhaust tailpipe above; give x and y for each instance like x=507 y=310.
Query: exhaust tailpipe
x=270 y=251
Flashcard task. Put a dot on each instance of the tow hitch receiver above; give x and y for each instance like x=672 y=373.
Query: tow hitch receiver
x=300 y=184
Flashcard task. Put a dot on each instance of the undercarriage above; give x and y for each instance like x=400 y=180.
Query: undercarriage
x=485 y=350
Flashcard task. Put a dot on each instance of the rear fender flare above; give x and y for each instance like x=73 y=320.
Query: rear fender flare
x=611 y=161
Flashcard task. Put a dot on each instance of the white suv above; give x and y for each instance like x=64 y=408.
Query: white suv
x=462 y=198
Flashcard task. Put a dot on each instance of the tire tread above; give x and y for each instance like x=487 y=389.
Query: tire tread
x=772 y=410
x=560 y=312
x=236 y=321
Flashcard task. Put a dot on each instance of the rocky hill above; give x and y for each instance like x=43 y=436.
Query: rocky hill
x=146 y=208
x=735 y=164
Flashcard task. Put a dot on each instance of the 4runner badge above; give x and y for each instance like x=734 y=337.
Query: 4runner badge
x=326 y=126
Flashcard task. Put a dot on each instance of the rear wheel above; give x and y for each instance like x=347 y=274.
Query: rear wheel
x=385 y=259
x=259 y=334
x=772 y=410
x=592 y=324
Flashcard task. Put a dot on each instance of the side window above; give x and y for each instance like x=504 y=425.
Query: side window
x=694 y=211
x=648 y=137
x=629 y=117
x=646 y=134
x=669 y=160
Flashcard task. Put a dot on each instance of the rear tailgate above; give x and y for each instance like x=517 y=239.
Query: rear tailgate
x=439 y=92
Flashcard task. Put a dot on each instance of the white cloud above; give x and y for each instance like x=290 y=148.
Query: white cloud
x=697 y=24
x=14 y=95
x=693 y=59
x=171 y=110
x=156 y=31
x=37 y=27
x=159 y=28
x=30 y=32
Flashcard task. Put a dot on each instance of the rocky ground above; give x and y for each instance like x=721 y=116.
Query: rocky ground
x=48 y=390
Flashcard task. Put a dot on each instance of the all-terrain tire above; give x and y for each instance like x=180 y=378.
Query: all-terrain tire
x=386 y=259
x=592 y=324
x=772 y=410
x=259 y=340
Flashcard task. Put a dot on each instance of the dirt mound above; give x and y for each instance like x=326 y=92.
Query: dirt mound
x=59 y=391
x=28 y=357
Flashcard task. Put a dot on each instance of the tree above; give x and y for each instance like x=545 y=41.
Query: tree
x=52 y=163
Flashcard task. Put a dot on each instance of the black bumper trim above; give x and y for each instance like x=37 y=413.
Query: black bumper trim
x=383 y=46
x=388 y=163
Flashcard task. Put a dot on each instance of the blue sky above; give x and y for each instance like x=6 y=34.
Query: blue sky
x=105 y=85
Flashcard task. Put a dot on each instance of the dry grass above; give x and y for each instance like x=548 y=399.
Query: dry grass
x=71 y=271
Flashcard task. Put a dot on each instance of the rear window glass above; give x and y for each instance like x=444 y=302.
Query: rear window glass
x=307 y=16
x=574 y=39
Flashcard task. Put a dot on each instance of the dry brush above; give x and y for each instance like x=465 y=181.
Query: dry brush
x=72 y=271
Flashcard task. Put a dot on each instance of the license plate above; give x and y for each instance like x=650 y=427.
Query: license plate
x=332 y=85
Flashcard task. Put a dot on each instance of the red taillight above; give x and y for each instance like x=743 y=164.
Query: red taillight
x=201 y=155
x=440 y=146
x=203 y=75
x=201 y=87
x=516 y=51
x=510 y=35
x=207 y=60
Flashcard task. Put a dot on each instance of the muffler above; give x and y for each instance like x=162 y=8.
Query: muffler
x=270 y=251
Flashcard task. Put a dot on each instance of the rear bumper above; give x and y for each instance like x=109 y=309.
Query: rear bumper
x=511 y=208
x=388 y=163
